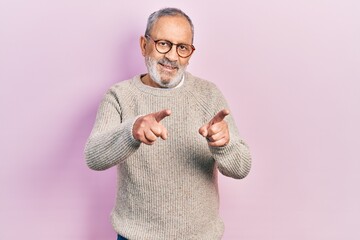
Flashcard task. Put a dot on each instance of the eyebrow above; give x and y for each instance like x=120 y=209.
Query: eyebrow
x=164 y=39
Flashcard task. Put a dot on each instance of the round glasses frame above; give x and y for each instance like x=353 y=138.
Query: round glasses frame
x=190 y=47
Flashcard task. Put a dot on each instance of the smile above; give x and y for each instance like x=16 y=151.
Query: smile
x=168 y=67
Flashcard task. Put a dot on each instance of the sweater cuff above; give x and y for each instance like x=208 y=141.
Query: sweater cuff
x=131 y=136
x=129 y=125
x=233 y=159
x=219 y=152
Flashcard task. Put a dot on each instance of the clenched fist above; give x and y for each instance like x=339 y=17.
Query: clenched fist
x=216 y=131
x=148 y=128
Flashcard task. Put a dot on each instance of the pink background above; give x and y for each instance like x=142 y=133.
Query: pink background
x=290 y=71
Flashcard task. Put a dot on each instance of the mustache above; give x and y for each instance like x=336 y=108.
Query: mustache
x=165 y=61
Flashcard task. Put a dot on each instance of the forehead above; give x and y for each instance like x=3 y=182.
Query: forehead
x=176 y=29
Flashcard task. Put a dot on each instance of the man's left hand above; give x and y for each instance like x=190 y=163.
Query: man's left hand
x=216 y=131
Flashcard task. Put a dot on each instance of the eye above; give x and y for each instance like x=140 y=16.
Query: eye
x=163 y=44
x=184 y=47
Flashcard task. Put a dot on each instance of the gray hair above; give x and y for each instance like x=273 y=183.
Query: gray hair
x=166 y=12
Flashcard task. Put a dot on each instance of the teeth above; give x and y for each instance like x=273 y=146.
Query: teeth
x=167 y=66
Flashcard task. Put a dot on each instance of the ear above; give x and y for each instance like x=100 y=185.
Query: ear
x=143 y=43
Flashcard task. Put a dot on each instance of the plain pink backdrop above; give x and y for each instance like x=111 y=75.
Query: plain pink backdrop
x=290 y=71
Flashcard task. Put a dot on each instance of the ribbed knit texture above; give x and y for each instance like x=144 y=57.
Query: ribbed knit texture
x=167 y=190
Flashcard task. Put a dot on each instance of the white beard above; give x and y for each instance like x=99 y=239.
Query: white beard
x=152 y=64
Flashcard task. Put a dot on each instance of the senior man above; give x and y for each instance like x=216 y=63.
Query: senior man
x=167 y=188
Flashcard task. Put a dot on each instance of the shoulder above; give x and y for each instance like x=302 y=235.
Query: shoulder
x=202 y=87
x=206 y=94
x=119 y=92
x=122 y=88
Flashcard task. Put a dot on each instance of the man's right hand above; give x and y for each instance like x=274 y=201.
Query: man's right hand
x=148 y=128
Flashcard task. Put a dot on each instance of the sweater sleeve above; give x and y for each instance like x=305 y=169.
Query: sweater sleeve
x=234 y=159
x=111 y=140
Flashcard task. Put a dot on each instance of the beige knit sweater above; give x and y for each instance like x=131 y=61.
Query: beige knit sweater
x=167 y=190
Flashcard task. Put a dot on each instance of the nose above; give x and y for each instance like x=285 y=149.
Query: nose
x=172 y=54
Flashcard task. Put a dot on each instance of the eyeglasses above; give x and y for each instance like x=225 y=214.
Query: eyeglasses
x=165 y=46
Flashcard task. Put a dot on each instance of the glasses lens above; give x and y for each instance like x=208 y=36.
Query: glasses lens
x=184 y=50
x=163 y=46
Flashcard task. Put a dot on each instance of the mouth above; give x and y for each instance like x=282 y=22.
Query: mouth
x=168 y=67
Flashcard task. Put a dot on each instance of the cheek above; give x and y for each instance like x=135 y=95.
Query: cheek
x=151 y=52
x=184 y=62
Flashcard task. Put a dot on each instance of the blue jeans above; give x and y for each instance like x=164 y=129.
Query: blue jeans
x=121 y=238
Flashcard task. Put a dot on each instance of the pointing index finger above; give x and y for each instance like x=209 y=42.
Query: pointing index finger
x=220 y=116
x=162 y=114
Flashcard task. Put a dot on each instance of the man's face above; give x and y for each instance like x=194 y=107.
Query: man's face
x=166 y=70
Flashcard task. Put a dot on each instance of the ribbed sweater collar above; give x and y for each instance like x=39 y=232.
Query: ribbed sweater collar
x=136 y=81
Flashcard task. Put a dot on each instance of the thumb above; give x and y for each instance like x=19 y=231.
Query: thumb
x=204 y=130
x=220 y=116
x=162 y=114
